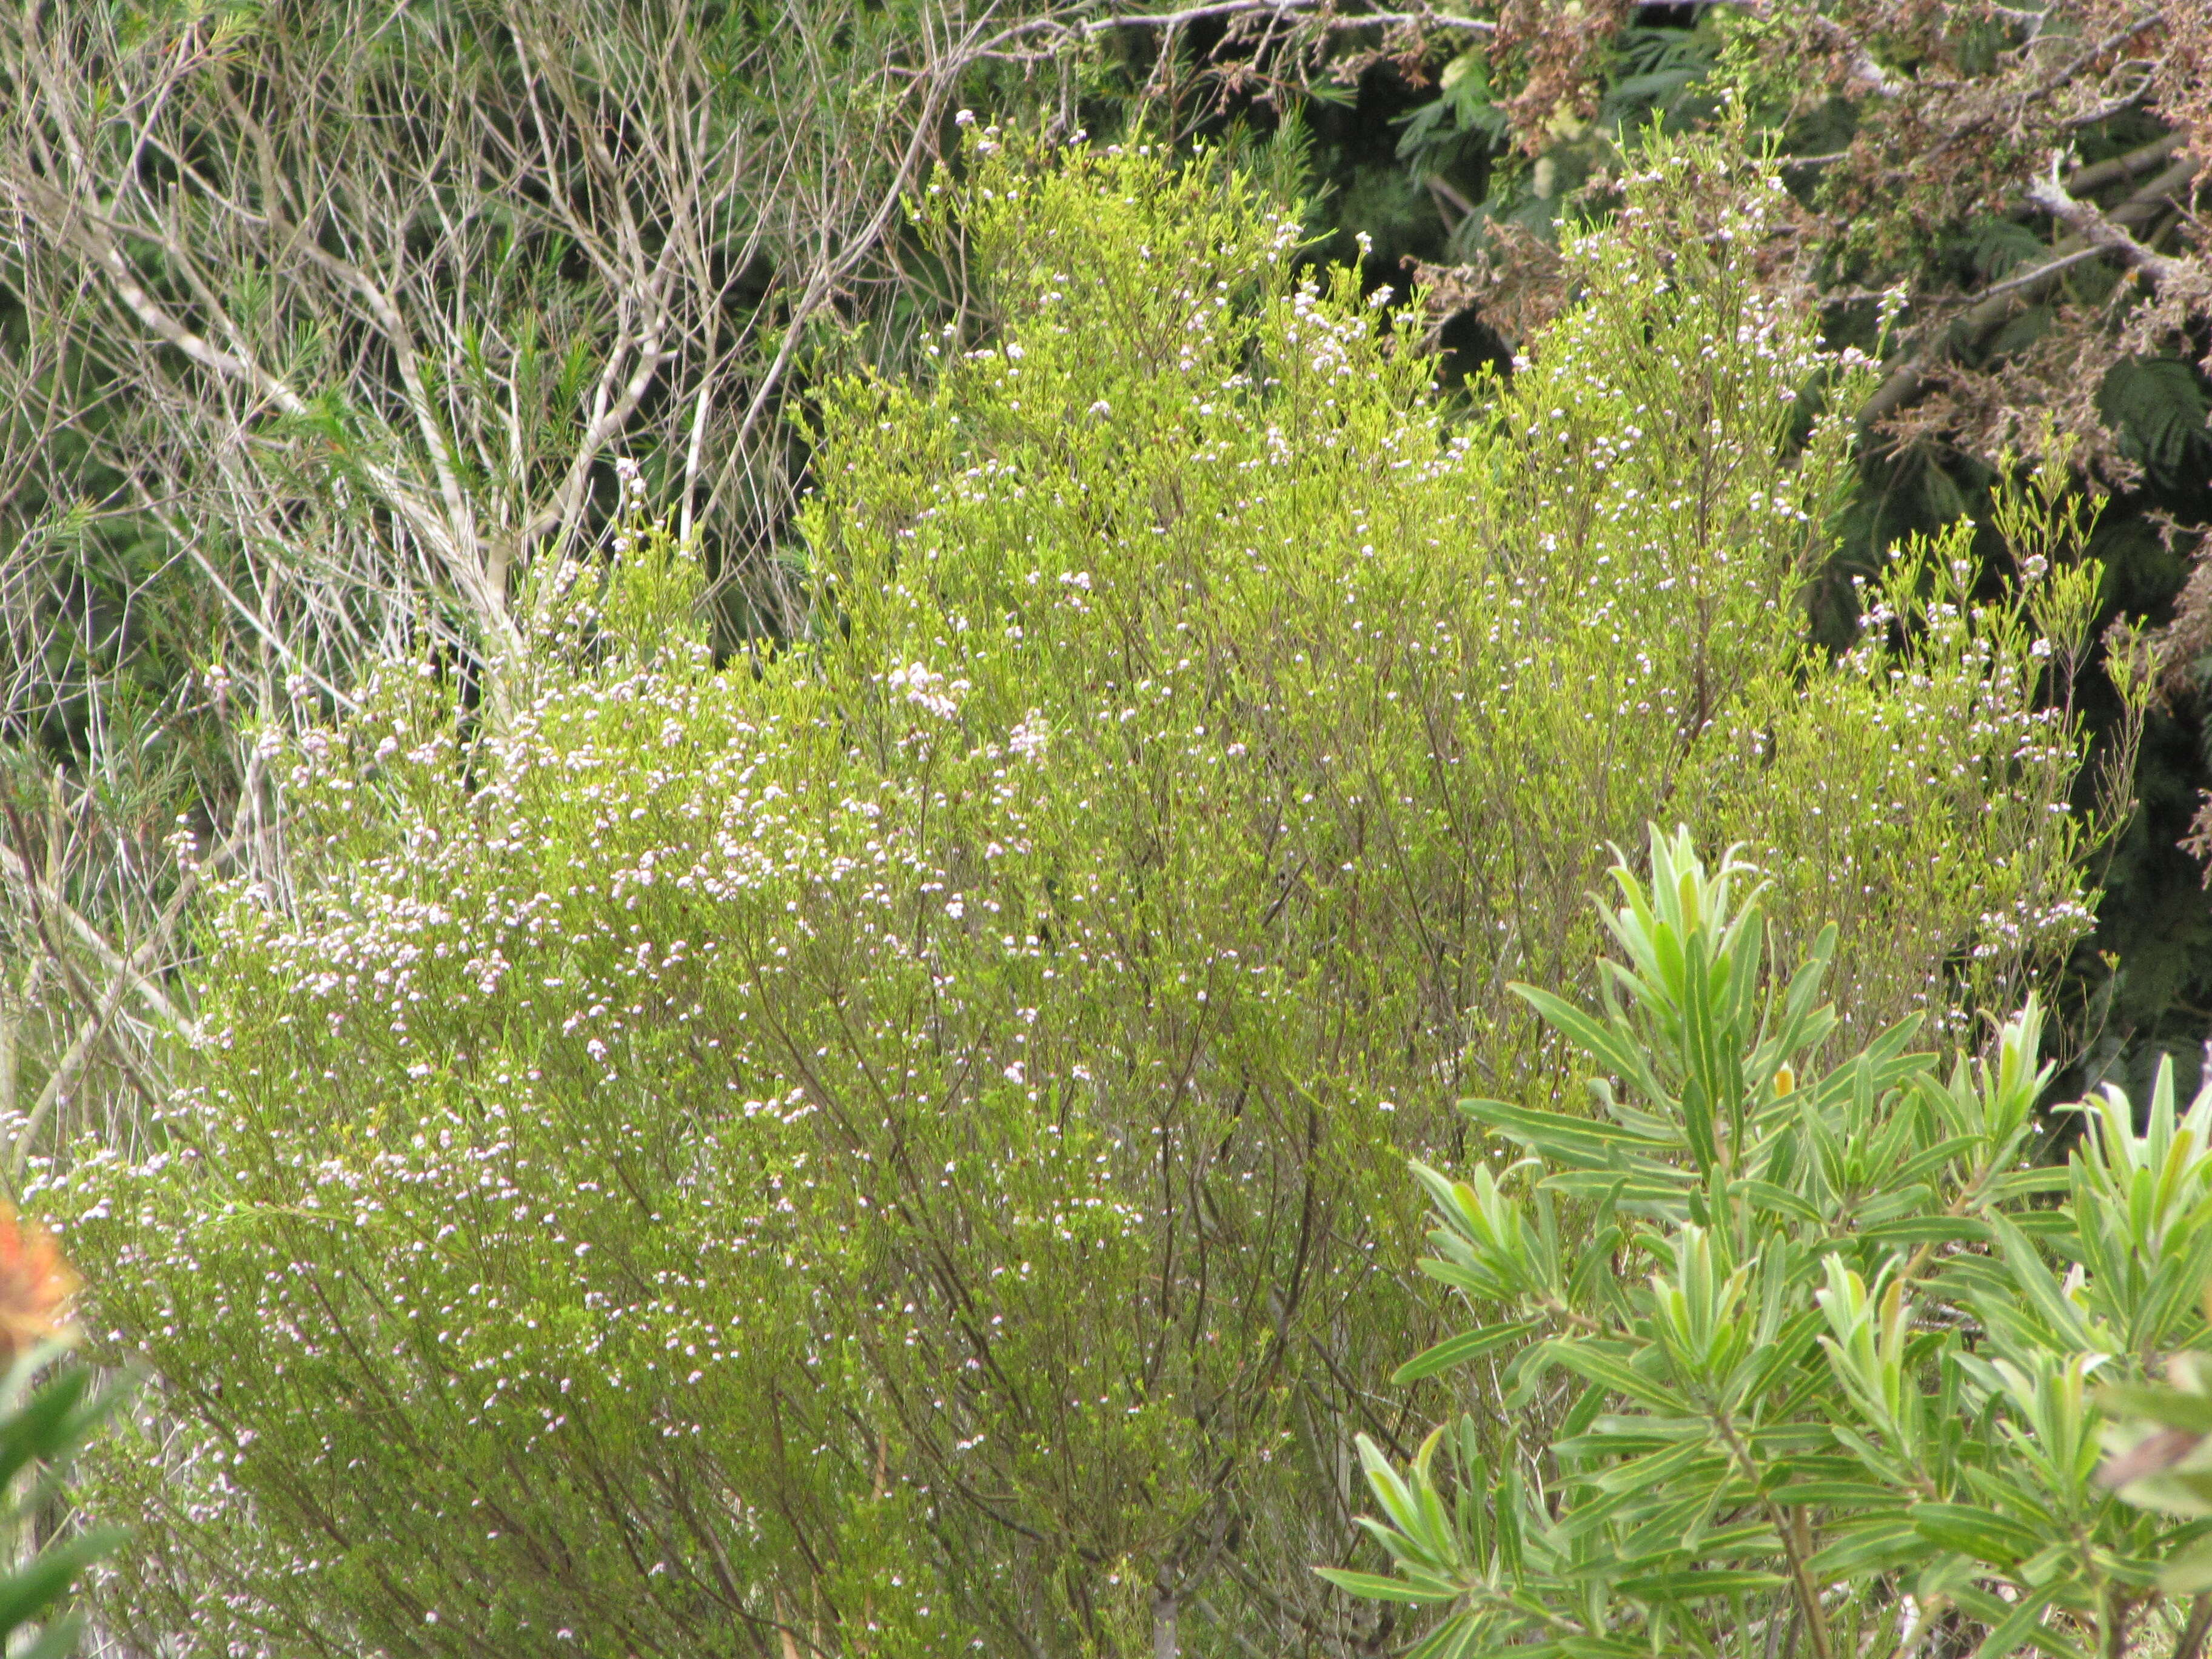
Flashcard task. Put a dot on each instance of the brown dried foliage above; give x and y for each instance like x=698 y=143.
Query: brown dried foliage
x=1517 y=284
x=1558 y=48
x=2172 y=58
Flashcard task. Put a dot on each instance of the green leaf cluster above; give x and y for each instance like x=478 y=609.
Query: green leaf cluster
x=1814 y=1361
x=48 y=1414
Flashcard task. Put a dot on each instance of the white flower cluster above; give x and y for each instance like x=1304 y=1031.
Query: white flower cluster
x=1027 y=739
x=927 y=690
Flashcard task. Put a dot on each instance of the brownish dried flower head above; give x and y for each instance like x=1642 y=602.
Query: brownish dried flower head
x=35 y=1286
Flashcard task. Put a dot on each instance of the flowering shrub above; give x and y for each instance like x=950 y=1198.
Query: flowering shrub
x=892 y=1146
x=1820 y=1372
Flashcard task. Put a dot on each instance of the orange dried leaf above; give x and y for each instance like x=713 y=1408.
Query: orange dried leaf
x=36 y=1284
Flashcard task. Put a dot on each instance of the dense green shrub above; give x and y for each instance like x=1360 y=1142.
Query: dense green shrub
x=895 y=1144
x=1822 y=1371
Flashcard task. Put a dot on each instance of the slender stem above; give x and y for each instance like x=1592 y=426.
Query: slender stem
x=1796 y=1549
x=1560 y=1311
x=2190 y=1642
x=2119 y=1605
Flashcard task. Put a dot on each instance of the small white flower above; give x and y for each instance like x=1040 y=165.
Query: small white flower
x=1028 y=739
x=927 y=690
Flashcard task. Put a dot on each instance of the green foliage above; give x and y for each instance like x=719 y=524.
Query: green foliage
x=893 y=1142
x=1817 y=1353
x=2159 y=407
x=2158 y=1437
x=1650 y=75
x=1914 y=188
x=45 y=1422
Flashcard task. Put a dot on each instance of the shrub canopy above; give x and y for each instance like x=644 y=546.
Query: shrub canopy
x=895 y=1142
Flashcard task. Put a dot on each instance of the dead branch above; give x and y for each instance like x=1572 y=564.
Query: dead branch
x=1904 y=381
x=2099 y=232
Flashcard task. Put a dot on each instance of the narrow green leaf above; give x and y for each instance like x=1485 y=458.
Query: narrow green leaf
x=1618 y=1053
x=1458 y=1349
x=1372 y=1587
x=1837 y=1494
x=27 y=1591
x=57 y=1641
x=1926 y=1229
x=1780 y=1200
x=1657 y=1468
x=2015 y=1633
x=2189 y=1570
x=1873 y=1546
x=1969 y=1530
x=1698 y=1584
x=1455 y=1639
x=1984 y=1609
x=1617 y=1375
x=1584 y=1140
x=2169 y=1408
